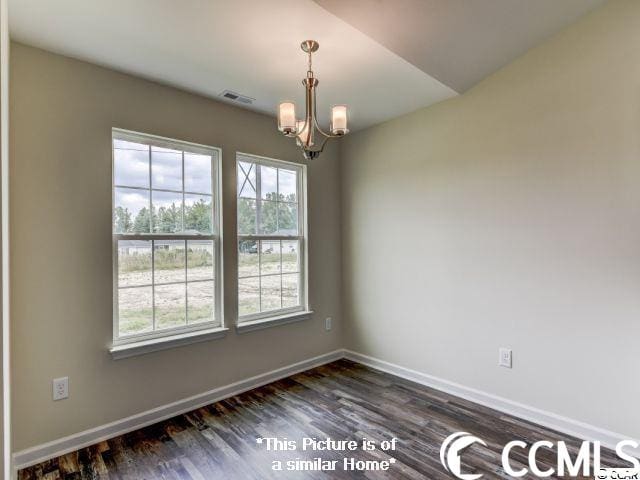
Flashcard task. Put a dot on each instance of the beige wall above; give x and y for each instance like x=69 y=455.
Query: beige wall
x=62 y=112
x=510 y=216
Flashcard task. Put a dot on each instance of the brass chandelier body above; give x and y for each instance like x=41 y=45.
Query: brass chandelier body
x=308 y=134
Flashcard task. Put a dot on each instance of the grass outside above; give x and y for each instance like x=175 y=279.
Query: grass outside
x=249 y=293
x=164 y=259
x=249 y=265
x=135 y=306
x=135 y=313
x=140 y=321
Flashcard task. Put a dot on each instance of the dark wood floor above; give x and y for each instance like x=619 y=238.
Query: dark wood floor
x=342 y=400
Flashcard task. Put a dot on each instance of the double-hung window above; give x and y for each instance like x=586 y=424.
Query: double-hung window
x=166 y=238
x=271 y=238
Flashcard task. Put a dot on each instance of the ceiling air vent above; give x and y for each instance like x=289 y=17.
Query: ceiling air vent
x=236 y=97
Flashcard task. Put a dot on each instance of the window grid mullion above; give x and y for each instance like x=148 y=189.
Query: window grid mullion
x=258 y=197
x=242 y=278
x=165 y=190
x=150 y=192
x=260 y=274
x=186 y=299
x=164 y=284
x=183 y=207
x=269 y=237
x=258 y=225
x=146 y=237
x=186 y=281
x=281 y=292
x=153 y=283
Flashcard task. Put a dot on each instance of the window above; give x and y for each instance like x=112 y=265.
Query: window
x=271 y=238
x=166 y=237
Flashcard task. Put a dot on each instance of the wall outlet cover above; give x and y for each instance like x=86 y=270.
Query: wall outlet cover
x=505 y=359
x=327 y=323
x=60 y=388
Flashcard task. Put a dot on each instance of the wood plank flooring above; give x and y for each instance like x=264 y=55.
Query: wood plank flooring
x=342 y=400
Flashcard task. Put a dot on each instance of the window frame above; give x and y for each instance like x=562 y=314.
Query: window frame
x=282 y=315
x=176 y=334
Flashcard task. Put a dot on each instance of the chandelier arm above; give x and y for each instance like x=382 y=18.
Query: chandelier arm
x=315 y=120
x=327 y=135
x=298 y=133
x=307 y=140
x=308 y=125
x=324 y=142
x=302 y=129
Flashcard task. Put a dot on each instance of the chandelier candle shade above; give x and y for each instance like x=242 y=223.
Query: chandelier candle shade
x=307 y=132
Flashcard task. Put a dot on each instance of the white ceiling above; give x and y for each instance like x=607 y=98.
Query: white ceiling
x=383 y=63
x=459 y=42
x=248 y=46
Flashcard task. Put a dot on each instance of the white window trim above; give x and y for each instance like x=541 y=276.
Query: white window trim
x=259 y=324
x=258 y=321
x=163 y=343
x=130 y=345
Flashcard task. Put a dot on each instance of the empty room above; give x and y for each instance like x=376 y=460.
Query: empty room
x=303 y=239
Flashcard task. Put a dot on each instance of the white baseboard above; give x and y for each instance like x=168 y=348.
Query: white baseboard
x=39 y=453
x=546 y=419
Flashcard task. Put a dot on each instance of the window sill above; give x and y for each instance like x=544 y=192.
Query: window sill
x=147 y=346
x=252 y=325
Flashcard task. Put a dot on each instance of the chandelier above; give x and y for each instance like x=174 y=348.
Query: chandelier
x=308 y=134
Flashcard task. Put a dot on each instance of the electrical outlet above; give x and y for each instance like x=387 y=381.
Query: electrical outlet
x=60 y=388
x=505 y=358
x=327 y=323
